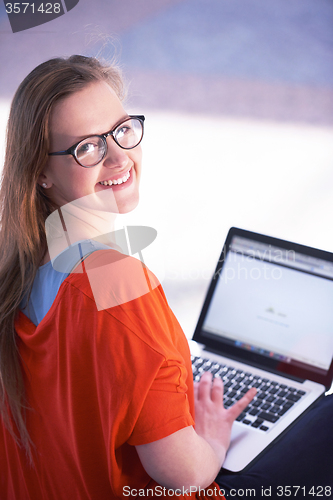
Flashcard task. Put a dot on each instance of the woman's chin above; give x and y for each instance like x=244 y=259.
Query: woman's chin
x=127 y=206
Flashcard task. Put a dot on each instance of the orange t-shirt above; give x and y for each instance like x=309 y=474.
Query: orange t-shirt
x=98 y=382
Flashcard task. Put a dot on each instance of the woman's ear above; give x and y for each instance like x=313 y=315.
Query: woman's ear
x=43 y=181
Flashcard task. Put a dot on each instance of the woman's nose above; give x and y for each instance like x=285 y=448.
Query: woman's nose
x=115 y=155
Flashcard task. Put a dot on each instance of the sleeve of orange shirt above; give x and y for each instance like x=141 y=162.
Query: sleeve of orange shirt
x=165 y=409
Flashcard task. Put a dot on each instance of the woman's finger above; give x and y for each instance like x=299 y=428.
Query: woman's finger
x=205 y=385
x=217 y=390
x=237 y=408
x=196 y=390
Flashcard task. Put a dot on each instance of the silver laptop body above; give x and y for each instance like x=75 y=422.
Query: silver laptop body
x=267 y=321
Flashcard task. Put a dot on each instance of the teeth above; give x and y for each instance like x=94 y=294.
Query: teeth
x=116 y=181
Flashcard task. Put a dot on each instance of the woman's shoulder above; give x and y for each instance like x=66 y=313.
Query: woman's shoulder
x=112 y=278
x=120 y=292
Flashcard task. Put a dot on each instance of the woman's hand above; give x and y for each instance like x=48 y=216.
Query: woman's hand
x=213 y=422
x=192 y=458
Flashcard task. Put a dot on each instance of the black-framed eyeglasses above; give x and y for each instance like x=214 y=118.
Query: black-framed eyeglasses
x=90 y=151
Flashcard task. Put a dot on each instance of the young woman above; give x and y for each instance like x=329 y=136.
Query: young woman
x=97 y=400
x=96 y=381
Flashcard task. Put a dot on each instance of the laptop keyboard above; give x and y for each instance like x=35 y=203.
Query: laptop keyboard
x=272 y=400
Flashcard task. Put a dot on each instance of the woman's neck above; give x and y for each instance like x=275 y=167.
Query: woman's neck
x=72 y=223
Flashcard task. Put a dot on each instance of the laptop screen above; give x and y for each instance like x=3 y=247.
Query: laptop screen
x=270 y=301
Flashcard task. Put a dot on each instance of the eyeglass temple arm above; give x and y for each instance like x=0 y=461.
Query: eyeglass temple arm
x=67 y=152
x=140 y=117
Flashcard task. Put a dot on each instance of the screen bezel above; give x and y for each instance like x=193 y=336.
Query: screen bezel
x=216 y=344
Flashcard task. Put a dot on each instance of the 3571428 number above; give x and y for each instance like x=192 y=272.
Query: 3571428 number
x=25 y=8
x=293 y=491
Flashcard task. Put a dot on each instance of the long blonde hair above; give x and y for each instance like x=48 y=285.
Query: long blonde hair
x=24 y=208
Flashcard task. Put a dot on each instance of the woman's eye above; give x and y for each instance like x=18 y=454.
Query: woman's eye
x=91 y=147
x=88 y=147
x=125 y=129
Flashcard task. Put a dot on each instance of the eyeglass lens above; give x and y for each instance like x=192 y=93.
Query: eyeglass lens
x=92 y=150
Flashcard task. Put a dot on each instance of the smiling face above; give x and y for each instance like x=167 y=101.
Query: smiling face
x=94 y=110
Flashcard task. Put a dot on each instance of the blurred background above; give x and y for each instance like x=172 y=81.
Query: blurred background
x=238 y=99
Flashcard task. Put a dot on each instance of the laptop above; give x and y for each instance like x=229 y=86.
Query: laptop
x=267 y=321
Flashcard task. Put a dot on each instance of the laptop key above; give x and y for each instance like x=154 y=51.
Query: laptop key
x=257 y=423
x=293 y=397
x=268 y=416
x=265 y=406
x=288 y=404
x=240 y=417
x=254 y=411
x=261 y=395
x=247 y=382
x=282 y=411
x=198 y=363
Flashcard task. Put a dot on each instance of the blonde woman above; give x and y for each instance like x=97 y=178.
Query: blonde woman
x=97 y=397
